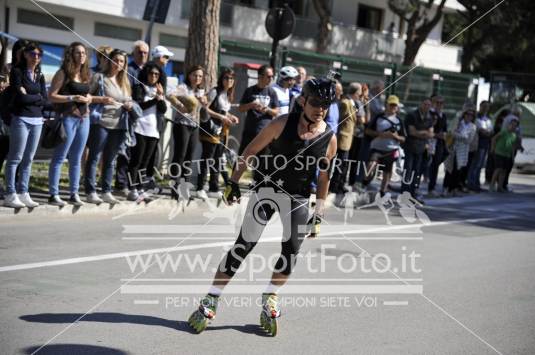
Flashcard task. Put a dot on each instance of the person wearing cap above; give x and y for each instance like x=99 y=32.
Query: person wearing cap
x=286 y=80
x=458 y=158
x=161 y=56
x=388 y=133
x=419 y=128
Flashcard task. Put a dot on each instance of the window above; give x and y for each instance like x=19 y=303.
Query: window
x=297 y=5
x=370 y=17
x=173 y=40
x=185 y=9
x=225 y=12
x=35 y=18
x=52 y=57
x=119 y=32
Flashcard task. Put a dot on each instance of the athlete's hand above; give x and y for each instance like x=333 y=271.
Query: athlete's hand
x=314 y=224
x=232 y=193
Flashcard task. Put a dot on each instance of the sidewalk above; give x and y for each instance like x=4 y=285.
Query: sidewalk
x=164 y=204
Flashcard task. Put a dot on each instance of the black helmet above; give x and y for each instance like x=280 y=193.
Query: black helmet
x=322 y=88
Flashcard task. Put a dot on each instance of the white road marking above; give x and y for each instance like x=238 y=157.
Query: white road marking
x=112 y=256
x=151 y=302
x=395 y=303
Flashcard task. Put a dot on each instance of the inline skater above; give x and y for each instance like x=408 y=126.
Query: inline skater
x=302 y=134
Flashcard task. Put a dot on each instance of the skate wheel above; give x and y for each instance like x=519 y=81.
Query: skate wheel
x=270 y=325
x=198 y=322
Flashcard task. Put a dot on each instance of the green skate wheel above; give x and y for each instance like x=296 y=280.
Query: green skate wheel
x=270 y=325
x=198 y=321
x=273 y=326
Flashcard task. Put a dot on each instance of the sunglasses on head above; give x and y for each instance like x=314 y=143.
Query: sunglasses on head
x=318 y=103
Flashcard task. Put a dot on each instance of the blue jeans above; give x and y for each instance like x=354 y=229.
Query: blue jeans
x=475 y=168
x=23 y=143
x=107 y=142
x=77 y=131
x=412 y=171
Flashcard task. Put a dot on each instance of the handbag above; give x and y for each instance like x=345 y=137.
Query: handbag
x=53 y=134
x=95 y=110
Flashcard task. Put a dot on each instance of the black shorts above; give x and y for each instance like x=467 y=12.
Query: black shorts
x=501 y=162
x=384 y=158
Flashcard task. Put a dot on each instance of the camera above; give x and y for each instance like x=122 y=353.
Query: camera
x=262 y=205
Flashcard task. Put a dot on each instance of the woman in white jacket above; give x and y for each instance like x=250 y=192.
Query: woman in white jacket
x=458 y=157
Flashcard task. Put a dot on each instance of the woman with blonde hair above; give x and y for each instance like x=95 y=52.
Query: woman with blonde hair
x=107 y=136
x=70 y=92
x=191 y=102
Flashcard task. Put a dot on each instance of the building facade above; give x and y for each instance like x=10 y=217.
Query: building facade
x=364 y=29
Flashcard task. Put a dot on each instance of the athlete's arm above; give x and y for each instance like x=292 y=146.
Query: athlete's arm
x=266 y=136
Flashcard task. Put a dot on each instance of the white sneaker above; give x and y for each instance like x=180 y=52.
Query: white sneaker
x=93 y=198
x=202 y=195
x=75 y=200
x=215 y=194
x=27 y=200
x=108 y=198
x=55 y=200
x=13 y=201
x=132 y=195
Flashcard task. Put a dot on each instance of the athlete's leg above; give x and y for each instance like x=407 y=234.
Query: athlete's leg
x=296 y=220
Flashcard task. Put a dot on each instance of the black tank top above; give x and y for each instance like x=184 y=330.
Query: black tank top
x=75 y=88
x=293 y=162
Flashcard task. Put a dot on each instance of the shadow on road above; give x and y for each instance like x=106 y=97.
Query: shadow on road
x=68 y=349
x=247 y=329
x=108 y=317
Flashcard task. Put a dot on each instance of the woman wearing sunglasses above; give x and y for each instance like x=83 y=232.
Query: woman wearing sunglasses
x=29 y=87
x=149 y=94
x=187 y=119
x=300 y=139
x=214 y=132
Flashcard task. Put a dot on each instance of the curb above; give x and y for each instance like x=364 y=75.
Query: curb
x=160 y=205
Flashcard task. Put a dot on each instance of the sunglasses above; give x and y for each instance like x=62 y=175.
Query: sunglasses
x=228 y=78
x=318 y=103
x=165 y=57
x=268 y=76
x=35 y=54
x=155 y=73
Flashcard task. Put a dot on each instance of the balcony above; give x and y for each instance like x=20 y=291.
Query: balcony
x=248 y=24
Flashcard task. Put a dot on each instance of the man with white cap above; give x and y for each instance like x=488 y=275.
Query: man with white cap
x=287 y=78
x=160 y=56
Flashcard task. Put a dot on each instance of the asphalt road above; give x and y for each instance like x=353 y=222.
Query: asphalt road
x=71 y=285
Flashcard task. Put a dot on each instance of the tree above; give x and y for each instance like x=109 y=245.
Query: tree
x=203 y=38
x=415 y=14
x=323 y=9
x=501 y=41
